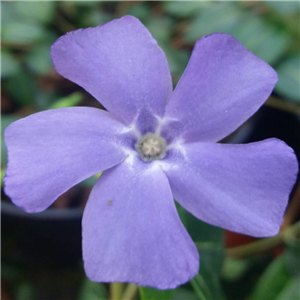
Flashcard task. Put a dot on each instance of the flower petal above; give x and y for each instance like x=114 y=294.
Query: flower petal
x=243 y=188
x=119 y=63
x=51 y=151
x=132 y=232
x=222 y=86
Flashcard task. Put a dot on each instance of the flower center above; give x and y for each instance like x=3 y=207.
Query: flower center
x=151 y=147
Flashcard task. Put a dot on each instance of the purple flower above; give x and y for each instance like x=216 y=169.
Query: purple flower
x=154 y=145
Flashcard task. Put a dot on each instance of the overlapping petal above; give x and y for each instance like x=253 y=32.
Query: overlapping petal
x=119 y=63
x=51 y=151
x=132 y=232
x=243 y=188
x=222 y=86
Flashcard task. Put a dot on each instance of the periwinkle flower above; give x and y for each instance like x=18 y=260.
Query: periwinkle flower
x=154 y=145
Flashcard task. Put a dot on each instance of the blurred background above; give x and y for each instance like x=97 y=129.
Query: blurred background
x=41 y=253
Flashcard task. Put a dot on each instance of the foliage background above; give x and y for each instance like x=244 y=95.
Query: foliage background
x=29 y=84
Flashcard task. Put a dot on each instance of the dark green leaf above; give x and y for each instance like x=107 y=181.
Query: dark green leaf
x=5 y=121
x=153 y=294
x=289 y=78
x=291 y=290
x=92 y=291
x=292 y=256
x=200 y=231
x=272 y=281
x=25 y=291
x=184 y=294
x=23 y=88
x=211 y=262
x=9 y=64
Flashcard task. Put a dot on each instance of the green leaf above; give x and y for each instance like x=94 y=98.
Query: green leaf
x=184 y=8
x=93 y=290
x=211 y=262
x=198 y=230
x=177 y=60
x=161 y=28
x=22 y=88
x=2 y=175
x=291 y=290
x=182 y=293
x=262 y=38
x=292 y=256
x=254 y=32
x=140 y=10
x=71 y=100
x=284 y=7
x=9 y=64
x=217 y=17
x=289 y=78
x=35 y=11
x=38 y=60
x=6 y=120
x=22 y=33
x=24 y=291
x=272 y=281
x=153 y=294
x=8 y=13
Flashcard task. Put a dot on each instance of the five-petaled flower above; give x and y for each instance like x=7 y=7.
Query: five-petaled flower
x=154 y=145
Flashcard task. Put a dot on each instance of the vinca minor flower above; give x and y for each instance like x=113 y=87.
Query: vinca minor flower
x=154 y=145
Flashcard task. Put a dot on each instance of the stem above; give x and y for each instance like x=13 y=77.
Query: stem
x=264 y=244
x=130 y=292
x=285 y=105
x=116 y=290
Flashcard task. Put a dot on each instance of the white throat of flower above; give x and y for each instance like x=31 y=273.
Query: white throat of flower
x=151 y=146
